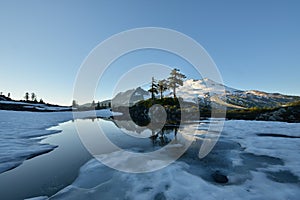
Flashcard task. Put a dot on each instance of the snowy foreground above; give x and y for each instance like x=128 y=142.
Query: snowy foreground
x=21 y=133
x=258 y=165
x=260 y=159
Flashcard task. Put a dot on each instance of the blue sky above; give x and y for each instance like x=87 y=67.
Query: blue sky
x=255 y=44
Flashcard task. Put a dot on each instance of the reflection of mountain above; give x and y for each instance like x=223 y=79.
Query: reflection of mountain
x=130 y=126
x=206 y=91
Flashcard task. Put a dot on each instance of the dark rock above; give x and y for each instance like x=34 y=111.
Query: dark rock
x=219 y=177
x=160 y=196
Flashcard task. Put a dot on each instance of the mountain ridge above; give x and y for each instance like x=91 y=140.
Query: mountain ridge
x=205 y=91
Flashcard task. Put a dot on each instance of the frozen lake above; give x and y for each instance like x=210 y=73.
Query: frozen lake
x=257 y=158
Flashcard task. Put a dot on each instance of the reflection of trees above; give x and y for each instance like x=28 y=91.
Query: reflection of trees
x=159 y=137
x=162 y=137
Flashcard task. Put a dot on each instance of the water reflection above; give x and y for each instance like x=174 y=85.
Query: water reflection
x=164 y=136
x=157 y=136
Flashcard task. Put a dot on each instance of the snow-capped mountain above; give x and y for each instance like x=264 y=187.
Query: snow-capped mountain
x=254 y=98
x=205 y=91
x=202 y=87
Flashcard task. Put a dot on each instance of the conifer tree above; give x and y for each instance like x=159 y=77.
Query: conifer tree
x=26 y=97
x=162 y=86
x=153 y=88
x=33 y=96
x=175 y=80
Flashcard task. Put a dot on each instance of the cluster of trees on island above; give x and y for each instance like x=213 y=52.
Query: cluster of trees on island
x=174 y=81
x=139 y=111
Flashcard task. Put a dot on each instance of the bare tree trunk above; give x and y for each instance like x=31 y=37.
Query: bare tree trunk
x=152 y=92
x=174 y=92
